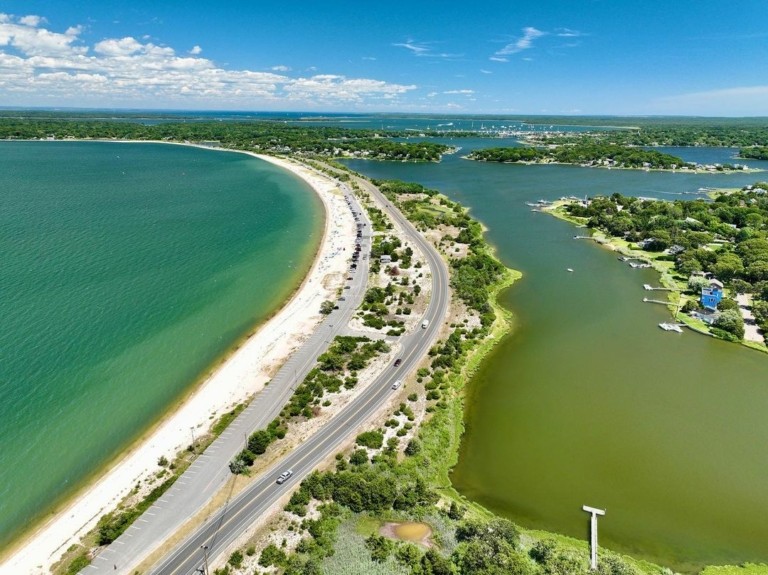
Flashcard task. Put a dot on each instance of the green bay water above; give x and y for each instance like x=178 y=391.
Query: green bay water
x=128 y=271
x=588 y=402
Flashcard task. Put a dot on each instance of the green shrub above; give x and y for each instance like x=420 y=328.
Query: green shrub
x=236 y=559
x=272 y=555
x=78 y=564
x=372 y=439
x=413 y=447
x=359 y=457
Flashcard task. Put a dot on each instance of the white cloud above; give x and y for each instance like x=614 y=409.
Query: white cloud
x=31 y=20
x=523 y=43
x=424 y=49
x=329 y=87
x=39 y=66
x=568 y=33
x=414 y=47
x=122 y=47
x=466 y=92
x=485 y=71
x=30 y=40
x=530 y=35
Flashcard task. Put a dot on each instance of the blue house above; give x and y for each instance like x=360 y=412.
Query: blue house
x=712 y=294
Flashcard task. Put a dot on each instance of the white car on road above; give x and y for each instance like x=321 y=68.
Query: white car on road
x=284 y=476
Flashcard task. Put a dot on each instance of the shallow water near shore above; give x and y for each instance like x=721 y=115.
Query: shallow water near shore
x=588 y=402
x=128 y=271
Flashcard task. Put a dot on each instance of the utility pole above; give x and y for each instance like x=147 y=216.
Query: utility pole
x=593 y=535
x=205 y=558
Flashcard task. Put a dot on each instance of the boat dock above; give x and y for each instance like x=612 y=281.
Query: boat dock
x=646 y=300
x=652 y=288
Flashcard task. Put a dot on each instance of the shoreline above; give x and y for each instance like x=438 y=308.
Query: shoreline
x=668 y=170
x=232 y=379
x=665 y=274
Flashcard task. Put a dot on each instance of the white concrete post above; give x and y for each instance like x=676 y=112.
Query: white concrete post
x=593 y=535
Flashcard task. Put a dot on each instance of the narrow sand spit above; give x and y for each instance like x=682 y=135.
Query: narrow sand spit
x=239 y=377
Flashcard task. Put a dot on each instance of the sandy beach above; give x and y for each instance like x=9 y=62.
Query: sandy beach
x=239 y=377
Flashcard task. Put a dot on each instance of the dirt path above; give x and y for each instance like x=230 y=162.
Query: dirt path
x=751 y=331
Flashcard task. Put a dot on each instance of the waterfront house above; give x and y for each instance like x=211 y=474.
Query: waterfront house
x=711 y=294
x=707 y=316
x=642 y=244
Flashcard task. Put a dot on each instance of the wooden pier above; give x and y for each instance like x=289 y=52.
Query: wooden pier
x=631 y=258
x=646 y=300
x=652 y=288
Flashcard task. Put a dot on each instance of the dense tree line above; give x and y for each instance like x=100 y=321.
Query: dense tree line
x=732 y=134
x=267 y=137
x=585 y=152
x=755 y=153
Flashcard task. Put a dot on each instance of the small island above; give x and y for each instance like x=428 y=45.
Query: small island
x=712 y=255
x=599 y=155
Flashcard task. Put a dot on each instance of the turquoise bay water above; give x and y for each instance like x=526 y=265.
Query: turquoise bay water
x=127 y=271
x=588 y=401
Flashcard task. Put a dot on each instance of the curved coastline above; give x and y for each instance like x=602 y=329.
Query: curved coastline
x=232 y=379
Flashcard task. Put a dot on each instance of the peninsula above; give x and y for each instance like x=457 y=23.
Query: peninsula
x=592 y=154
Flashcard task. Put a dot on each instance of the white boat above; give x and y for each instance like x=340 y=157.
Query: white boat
x=671 y=327
x=569 y=269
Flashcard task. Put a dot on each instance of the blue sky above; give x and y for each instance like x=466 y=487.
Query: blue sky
x=704 y=57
